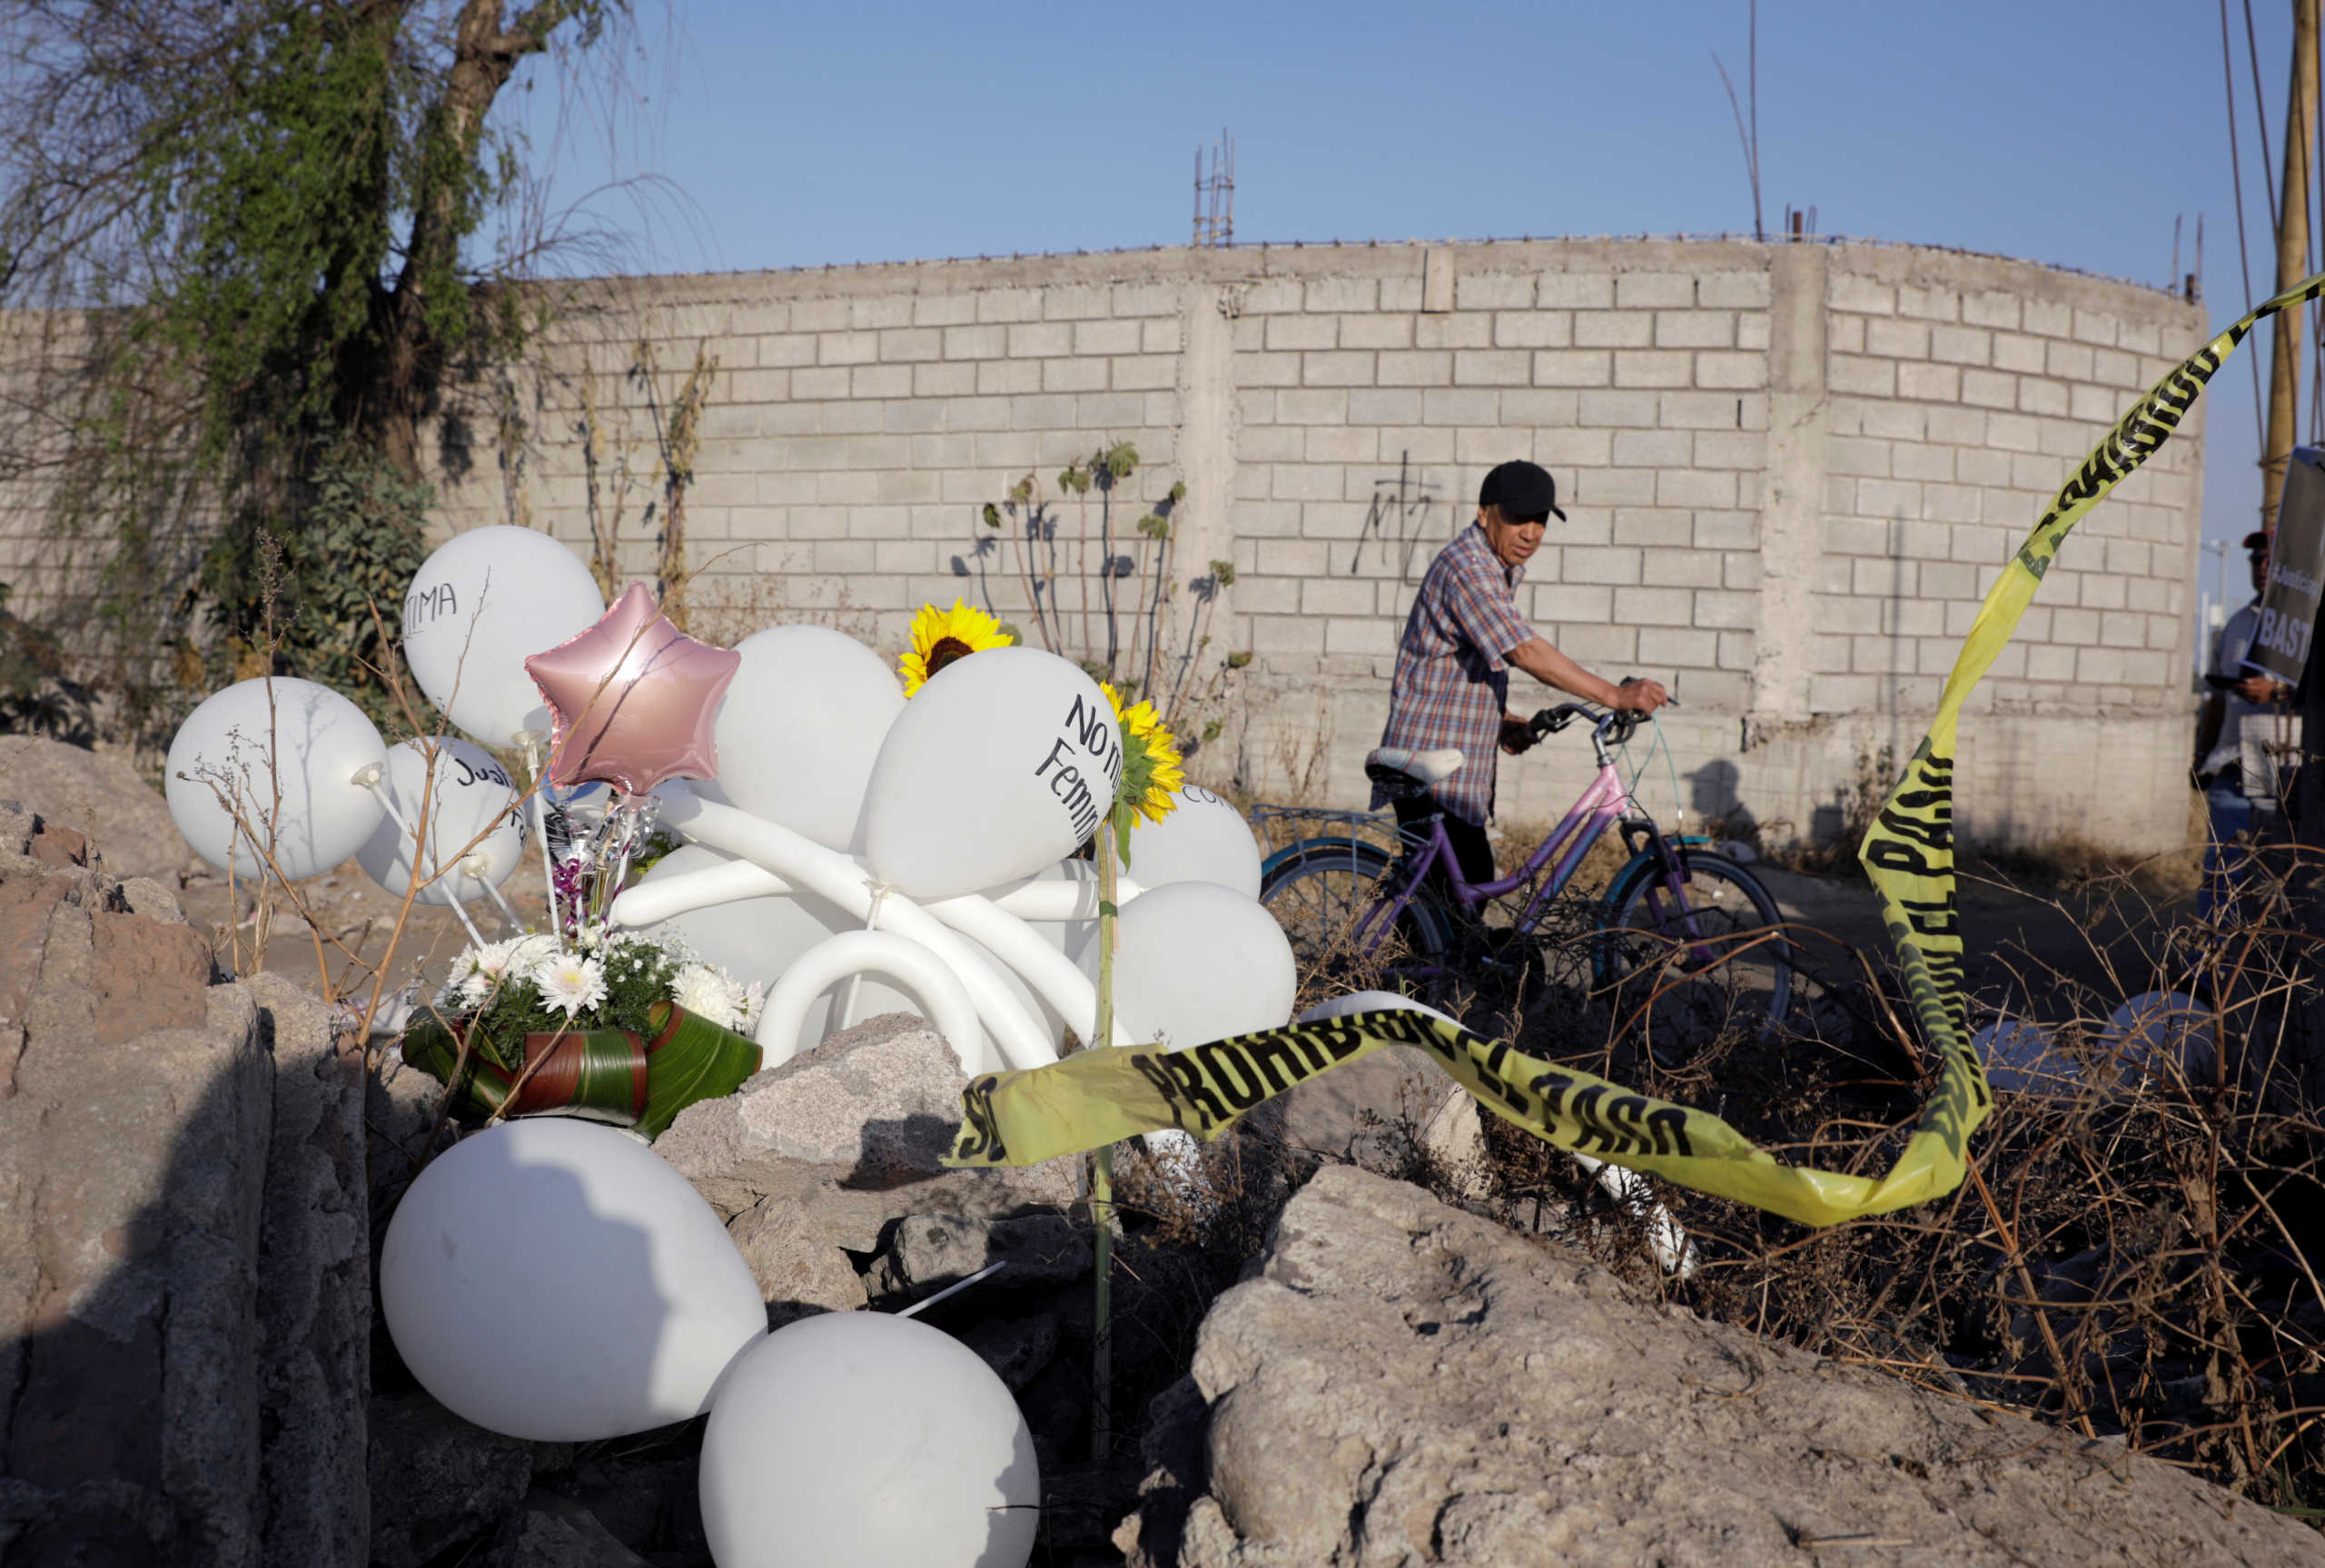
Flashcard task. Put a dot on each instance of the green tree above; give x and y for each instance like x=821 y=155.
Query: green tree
x=247 y=245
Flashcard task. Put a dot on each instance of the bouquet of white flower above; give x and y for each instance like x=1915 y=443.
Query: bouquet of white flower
x=616 y=1027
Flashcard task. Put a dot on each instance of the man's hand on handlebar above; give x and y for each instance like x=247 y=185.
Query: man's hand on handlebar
x=1516 y=735
x=1639 y=696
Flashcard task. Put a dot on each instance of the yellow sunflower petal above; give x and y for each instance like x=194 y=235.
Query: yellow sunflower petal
x=965 y=627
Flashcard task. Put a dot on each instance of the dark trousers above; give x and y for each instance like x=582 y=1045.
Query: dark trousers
x=1472 y=850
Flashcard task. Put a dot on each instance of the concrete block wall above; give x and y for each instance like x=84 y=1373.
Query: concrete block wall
x=1790 y=474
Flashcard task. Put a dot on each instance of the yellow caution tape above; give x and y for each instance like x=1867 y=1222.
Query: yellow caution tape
x=1100 y=1096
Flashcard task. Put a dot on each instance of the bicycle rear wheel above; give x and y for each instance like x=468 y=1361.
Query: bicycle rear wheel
x=1693 y=957
x=1320 y=890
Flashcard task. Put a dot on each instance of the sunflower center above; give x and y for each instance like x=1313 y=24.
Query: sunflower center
x=943 y=652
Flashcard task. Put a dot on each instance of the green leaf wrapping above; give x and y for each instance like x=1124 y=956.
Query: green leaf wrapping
x=598 y=1075
x=690 y=1059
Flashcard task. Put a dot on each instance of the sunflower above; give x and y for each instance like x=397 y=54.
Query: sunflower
x=940 y=636
x=1152 y=776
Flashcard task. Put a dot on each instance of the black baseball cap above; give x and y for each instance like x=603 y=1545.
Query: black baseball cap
x=1521 y=489
x=2258 y=543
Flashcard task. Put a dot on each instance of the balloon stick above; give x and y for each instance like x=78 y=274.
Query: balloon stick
x=506 y=913
x=880 y=891
x=379 y=792
x=531 y=741
x=955 y=1289
x=1102 y=1181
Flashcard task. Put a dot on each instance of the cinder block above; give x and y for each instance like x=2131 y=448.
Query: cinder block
x=1076 y=302
x=786 y=350
x=872 y=313
x=1934 y=383
x=1712 y=488
x=1320 y=595
x=1341 y=444
x=1599 y=644
x=1374 y=634
x=1912 y=460
x=1159 y=335
x=1567 y=447
x=810 y=383
x=1493 y=291
x=1401 y=293
x=1460 y=406
x=1961 y=345
x=1267 y=370
x=1376 y=332
x=1618 y=408
x=1483 y=449
x=944 y=381
x=1613 y=329
x=1342 y=368
x=2096 y=327
x=1533 y=328
x=2141 y=338
x=2068 y=361
x=820 y=315
x=1679 y=569
x=1572 y=368
x=1311 y=406
x=1641 y=522
x=1711 y=410
x=910 y=343
x=1574 y=291
x=1615 y=488
x=1570 y=602
x=1695 y=330
x=1143 y=372
x=1654 y=290
x=1897 y=340
x=1470 y=329
x=1852 y=375
x=1411 y=368
x=1132 y=299
x=1930 y=304
x=944 y=310
x=1731 y=372
x=880 y=382
x=1340 y=294
x=1616 y=566
x=1041 y=339
x=1865 y=296
x=1295 y=332
x=848 y=347
x=988 y=342
x=912 y=415
x=1114 y=411
x=1491 y=367
x=1654 y=448
x=2114 y=369
x=1655 y=367
x=1733 y=291
x=1855 y=456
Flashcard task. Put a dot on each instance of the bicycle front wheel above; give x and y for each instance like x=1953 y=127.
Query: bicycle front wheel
x=1692 y=950
x=1320 y=891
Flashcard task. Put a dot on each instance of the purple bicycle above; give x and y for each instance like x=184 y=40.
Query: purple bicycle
x=1685 y=946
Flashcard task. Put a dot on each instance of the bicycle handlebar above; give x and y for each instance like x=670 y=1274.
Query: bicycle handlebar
x=1614 y=726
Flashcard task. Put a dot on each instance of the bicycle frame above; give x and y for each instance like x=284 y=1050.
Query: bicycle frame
x=1603 y=803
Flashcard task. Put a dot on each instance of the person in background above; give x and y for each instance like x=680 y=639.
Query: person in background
x=1451 y=685
x=2240 y=740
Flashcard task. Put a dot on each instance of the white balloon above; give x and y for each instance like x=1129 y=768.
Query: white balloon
x=2167 y=1034
x=1003 y=764
x=477 y=609
x=860 y=1440
x=757 y=939
x=473 y=794
x=1205 y=839
x=260 y=737
x=1197 y=963
x=800 y=727
x=555 y=1280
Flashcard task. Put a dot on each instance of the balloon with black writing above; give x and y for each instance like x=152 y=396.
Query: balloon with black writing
x=1002 y=765
x=476 y=834
x=1203 y=839
x=476 y=608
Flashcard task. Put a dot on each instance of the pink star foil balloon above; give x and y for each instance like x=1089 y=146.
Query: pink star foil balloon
x=633 y=699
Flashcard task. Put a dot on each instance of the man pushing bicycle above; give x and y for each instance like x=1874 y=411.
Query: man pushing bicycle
x=1451 y=688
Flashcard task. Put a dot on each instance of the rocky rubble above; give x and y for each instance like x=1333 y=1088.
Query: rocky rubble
x=1404 y=1382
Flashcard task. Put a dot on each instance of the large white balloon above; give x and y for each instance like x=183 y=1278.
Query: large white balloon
x=1205 y=839
x=1002 y=765
x=1196 y=963
x=800 y=727
x=859 y=1440
x=757 y=939
x=473 y=794
x=555 y=1280
x=256 y=738
x=477 y=609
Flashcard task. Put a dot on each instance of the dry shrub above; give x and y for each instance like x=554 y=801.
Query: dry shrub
x=2136 y=1253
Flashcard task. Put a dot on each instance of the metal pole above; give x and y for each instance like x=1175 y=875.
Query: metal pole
x=2293 y=260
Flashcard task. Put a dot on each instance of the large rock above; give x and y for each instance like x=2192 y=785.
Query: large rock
x=100 y=794
x=1406 y=1382
x=798 y=1274
x=314 y=1300
x=436 y=1480
x=928 y=1251
x=135 y=1100
x=549 y=1531
x=853 y=1130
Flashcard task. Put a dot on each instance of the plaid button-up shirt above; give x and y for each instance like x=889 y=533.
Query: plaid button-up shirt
x=1452 y=686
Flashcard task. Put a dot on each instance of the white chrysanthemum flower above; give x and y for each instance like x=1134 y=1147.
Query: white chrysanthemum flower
x=754 y=1003
x=709 y=994
x=570 y=983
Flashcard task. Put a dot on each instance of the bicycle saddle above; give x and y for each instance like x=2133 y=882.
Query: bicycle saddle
x=1430 y=767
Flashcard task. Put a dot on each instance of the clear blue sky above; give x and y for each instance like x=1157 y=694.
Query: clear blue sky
x=887 y=130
